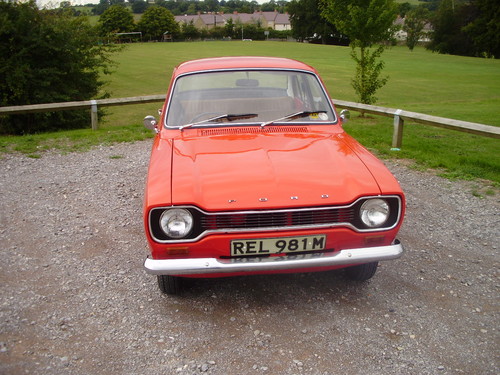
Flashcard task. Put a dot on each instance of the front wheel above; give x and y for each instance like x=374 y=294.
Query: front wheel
x=170 y=284
x=361 y=272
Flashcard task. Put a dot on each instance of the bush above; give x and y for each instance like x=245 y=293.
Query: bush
x=48 y=57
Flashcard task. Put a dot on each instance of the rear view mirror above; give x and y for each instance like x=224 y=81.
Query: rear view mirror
x=345 y=115
x=150 y=123
x=247 y=83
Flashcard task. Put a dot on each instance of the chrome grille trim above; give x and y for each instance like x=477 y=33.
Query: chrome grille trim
x=278 y=219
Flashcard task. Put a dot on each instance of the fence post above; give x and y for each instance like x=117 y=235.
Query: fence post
x=397 y=135
x=93 y=115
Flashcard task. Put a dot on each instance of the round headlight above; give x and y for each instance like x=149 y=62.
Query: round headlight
x=176 y=223
x=374 y=212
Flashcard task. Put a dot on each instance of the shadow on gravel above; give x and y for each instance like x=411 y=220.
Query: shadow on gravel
x=274 y=289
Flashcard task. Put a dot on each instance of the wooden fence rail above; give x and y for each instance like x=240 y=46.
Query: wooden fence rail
x=400 y=116
x=91 y=104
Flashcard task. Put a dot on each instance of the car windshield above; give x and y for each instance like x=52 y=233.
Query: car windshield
x=271 y=96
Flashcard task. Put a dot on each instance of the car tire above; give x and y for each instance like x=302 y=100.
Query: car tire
x=171 y=285
x=361 y=272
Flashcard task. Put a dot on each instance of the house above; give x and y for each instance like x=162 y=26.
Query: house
x=211 y=20
x=202 y=20
x=186 y=19
x=282 y=22
x=244 y=18
x=401 y=35
x=274 y=20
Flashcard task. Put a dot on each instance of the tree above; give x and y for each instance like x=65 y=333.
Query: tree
x=415 y=21
x=467 y=28
x=269 y=7
x=298 y=20
x=449 y=21
x=210 y=5
x=278 y=6
x=403 y=9
x=116 y=19
x=189 y=31
x=307 y=22
x=157 y=20
x=229 y=28
x=46 y=57
x=485 y=29
x=445 y=28
x=139 y=6
x=192 y=8
x=366 y=23
x=253 y=31
x=101 y=7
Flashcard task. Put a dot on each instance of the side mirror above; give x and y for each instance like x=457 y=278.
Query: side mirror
x=345 y=115
x=150 y=123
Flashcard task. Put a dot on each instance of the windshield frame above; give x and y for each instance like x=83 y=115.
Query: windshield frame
x=329 y=104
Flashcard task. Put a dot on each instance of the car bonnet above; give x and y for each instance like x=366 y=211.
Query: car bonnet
x=267 y=170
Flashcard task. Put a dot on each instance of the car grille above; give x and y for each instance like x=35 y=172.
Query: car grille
x=277 y=219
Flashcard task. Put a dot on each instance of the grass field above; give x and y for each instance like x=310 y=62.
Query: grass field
x=449 y=86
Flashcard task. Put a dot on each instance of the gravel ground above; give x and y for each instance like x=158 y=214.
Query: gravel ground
x=74 y=298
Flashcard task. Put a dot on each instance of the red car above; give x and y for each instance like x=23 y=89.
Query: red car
x=252 y=173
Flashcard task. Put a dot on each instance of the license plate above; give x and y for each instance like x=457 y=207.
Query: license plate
x=280 y=245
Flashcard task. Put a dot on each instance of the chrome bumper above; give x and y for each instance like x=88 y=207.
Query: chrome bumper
x=196 y=266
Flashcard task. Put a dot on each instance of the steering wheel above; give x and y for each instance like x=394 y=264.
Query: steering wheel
x=208 y=114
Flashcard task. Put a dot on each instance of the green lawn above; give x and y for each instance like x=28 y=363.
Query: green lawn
x=421 y=81
x=462 y=88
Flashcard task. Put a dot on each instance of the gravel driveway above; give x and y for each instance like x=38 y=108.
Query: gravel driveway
x=74 y=298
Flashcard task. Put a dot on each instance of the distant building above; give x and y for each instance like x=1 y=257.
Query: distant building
x=273 y=20
x=402 y=35
x=202 y=20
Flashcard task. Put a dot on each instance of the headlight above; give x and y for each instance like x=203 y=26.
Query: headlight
x=374 y=212
x=176 y=223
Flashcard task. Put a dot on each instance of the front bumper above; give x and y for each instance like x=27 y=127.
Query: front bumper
x=199 y=266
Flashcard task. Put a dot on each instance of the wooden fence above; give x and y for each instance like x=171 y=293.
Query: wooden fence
x=399 y=116
x=91 y=104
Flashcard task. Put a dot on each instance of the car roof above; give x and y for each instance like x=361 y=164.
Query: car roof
x=241 y=62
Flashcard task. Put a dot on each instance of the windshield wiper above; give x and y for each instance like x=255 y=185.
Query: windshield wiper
x=292 y=116
x=221 y=118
